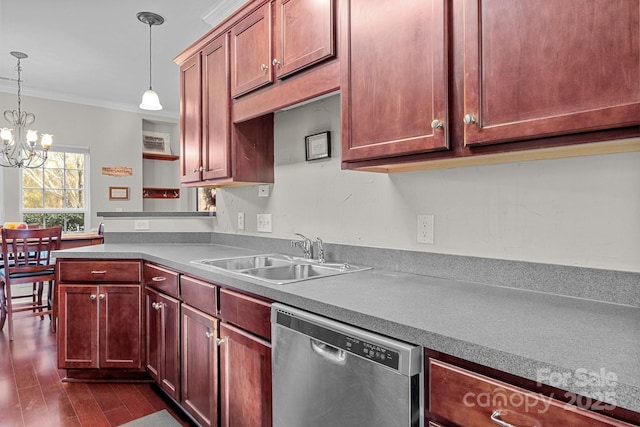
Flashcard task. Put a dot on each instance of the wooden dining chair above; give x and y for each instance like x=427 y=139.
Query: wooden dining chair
x=26 y=255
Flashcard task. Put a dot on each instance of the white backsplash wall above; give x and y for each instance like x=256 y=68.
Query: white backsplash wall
x=581 y=211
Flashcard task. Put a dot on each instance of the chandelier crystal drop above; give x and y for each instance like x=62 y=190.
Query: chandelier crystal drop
x=19 y=144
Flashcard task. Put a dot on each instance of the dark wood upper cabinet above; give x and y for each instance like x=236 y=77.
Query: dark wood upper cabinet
x=251 y=52
x=213 y=150
x=305 y=34
x=205 y=135
x=546 y=68
x=394 y=78
x=190 y=120
x=216 y=145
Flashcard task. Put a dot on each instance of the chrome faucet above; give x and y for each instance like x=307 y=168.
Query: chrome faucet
x=304 y=244
x=320 y=250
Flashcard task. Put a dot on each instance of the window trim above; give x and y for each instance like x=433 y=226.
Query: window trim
x=87 y=186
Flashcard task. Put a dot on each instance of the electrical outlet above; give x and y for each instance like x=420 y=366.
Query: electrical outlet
x=264 y=223
x=263 y=190
x=141 y=224
x=425 y=229
x=240 y=220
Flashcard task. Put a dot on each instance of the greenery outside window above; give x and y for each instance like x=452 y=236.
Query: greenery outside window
x=57 y=193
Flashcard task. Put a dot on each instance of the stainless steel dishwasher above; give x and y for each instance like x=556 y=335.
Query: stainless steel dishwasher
x=329 y=374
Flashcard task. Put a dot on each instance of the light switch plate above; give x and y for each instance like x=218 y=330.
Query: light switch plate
x=240 y=220
x=264 y=223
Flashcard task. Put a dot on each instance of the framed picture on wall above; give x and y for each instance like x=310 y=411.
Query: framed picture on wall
x=118 y=193
x=156 y=142
x=318 y=146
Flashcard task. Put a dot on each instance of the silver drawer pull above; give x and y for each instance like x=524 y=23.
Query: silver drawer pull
x=495 y=417
x=158 y=279
x=98 y=271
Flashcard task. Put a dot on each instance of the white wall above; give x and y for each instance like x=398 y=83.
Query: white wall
x=577 y=211
x=114 y=138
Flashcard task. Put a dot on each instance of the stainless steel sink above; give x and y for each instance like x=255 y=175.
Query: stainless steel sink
x=279 y=269
x=247 y=262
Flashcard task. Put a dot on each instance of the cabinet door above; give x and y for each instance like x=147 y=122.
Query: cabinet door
x=245 y=379
x=78 y=326
x=120 y=326
x=394 y=78
x=544 y=68
x=200 y=365
x=305 y=34
x=190 y=120
x=216 y=144
x=163 y=341
x=251 y=41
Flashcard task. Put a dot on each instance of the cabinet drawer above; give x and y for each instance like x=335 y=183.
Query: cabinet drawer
x=470 y=399
x=248 y=313
x=161 y=279
x=99 y=271
x=199 y=294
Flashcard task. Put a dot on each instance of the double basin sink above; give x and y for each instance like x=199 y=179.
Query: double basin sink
x=279 y=269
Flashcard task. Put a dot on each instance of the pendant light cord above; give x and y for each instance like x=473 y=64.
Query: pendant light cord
x=150 y=55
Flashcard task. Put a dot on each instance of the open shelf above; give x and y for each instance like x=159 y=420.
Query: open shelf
x=160 y=156
x=160 y=193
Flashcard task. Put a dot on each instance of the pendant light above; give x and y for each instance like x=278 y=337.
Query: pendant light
x=150 y=99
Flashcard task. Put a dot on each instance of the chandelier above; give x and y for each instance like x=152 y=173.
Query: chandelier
x=19 y=149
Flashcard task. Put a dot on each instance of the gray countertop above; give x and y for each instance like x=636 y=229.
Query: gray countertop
x=583 y=346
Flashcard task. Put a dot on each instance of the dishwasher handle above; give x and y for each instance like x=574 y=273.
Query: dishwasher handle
x=329 y=352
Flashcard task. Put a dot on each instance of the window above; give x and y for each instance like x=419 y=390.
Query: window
x=57 y=193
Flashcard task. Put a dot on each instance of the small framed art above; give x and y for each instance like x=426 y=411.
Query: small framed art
x=318 y=146
x=118 y=193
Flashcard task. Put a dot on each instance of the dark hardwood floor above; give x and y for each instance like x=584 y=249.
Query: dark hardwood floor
x=32 y=393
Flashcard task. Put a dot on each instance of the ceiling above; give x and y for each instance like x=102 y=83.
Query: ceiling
x=96 y=52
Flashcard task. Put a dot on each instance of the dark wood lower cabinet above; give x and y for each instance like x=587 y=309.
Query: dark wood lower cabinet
x=100 y=326
x=200 y=365
x=469 y=399
x=245 y=379
x=163 y=341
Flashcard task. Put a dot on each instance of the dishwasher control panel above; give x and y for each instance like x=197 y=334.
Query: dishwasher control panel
x=371 y=351
x=376 y=352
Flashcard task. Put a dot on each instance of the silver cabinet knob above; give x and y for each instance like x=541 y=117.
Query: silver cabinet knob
x=437 y=124
x=219 y=341
x=208 y=334
x=264 y=67
x=101 y=296
x=469 y=119
x=195 y=170
x=93 y=297
x=275 y=62
x=156 y=305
